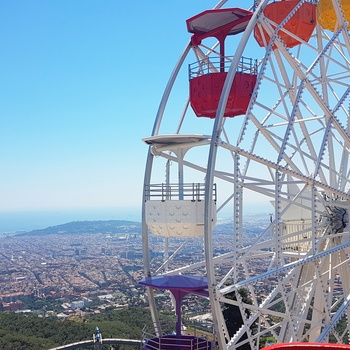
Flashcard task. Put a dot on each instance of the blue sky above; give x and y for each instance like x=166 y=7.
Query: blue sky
x=81 y=81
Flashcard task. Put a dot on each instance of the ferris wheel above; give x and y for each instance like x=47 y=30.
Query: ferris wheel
x=264 y=123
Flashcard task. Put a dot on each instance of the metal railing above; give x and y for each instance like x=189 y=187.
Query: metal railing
x=187 y=191
x=216 y=64
x=169 y=340
x=177 y=343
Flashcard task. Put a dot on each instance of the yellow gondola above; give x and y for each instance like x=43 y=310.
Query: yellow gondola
x=327 y=17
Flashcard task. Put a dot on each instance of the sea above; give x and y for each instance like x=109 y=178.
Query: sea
x=19 y=221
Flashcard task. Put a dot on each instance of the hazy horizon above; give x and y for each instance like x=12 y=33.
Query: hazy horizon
x=15 y=221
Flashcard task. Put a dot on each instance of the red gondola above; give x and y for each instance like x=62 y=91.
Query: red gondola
x=207 y=77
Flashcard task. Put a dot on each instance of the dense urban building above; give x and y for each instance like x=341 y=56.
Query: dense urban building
x=81 y=272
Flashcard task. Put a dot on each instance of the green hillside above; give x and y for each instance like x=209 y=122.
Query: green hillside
x=24 y=332
x=88 y=227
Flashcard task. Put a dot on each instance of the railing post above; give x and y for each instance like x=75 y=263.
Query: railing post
x=194 y=191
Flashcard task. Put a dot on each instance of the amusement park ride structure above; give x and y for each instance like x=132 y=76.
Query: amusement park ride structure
x=271 y=85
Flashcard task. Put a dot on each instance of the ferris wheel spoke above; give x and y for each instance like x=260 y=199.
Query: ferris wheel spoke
x=272 y=139
x=299 y=176
x=287 y=267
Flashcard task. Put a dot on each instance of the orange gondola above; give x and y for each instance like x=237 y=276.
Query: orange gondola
x=300 y=25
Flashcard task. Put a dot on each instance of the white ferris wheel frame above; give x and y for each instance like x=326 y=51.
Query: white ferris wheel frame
x=217 y=290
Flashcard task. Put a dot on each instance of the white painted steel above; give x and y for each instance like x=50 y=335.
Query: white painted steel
x=288 y=158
